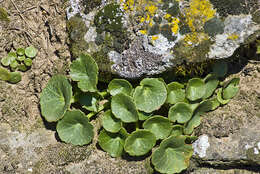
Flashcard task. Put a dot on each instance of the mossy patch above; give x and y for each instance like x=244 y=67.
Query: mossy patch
x=109 y=20
x=77 y=29
x=3 y=15
x=232 y=7
x=196 y=53
x=90 y=5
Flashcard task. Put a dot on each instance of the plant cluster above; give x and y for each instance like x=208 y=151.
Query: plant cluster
x=20 y=60
x=134 y=119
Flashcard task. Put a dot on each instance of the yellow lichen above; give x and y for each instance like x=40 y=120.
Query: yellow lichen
x=194 y=38
x=199 y=12
x=155 y=37
x=233 y=36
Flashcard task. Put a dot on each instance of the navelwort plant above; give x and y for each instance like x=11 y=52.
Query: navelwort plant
x=21 y=60
x=133 y=118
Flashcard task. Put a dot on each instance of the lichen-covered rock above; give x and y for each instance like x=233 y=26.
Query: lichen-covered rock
x=133 y=38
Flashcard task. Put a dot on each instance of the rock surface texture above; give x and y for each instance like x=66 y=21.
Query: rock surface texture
x=137 y=38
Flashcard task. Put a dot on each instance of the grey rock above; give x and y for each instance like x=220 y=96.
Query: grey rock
x=150 y=43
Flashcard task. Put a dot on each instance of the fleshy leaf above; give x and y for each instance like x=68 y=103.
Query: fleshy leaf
x=220 y=99
x=180 y=112
x=15 y=77
x=31 y=51
x=88 y=100
x=84 y=70
x=177 y=130
x=112 y=143
x=160 y=126
x=110 y=123
x=22 y=67
x=117 y=86
x=14 y=64
x=4 y=74
x=150 y=95
x=140 y=142
x=28 y=62
x=21 y=58
x=211 y=83
x=75 y=128
x=20 y=51
x=194 y=122
x=195 y=89
x=172 y=156
x=208 y=105
x=6 y=61
x=124 y=108
x=220 y=69
x=55 y=98
x=231 y=89
x=176 y=93
x=143 y=115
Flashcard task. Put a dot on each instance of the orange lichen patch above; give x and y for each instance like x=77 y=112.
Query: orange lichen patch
x=199 y=12
x=233 y=36
x=194 y=38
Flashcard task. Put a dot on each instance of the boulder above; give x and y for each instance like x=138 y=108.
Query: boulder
x=139 y=38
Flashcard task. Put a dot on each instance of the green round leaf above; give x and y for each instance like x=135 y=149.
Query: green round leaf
x=55 y=98
x=6 y=61
x=211 y=83
x=20 y=51
x=172 y=156
x=89 y=101
x=194 y=122
x=84 y=70
x=139 y=142
x=110 y=123
x=220 y=98
x=177 y=130
x=207 y=105
x=160 y=126
x=28 y=62
x=75 y=128
x=111 y=143
x=176 y=93
x=196 y=89
x=231 y=89
x=151 y=95
x=220 y=69
x=14 y=64
x=117 y=86
x=124 y=108
x=4 y=74
x=21 y=58
x=31 y=51
x=180 y=112
x=22 y=67
x=143 y=115
x=15 y=77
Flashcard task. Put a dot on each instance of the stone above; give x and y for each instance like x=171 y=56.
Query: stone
x=133 y=39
